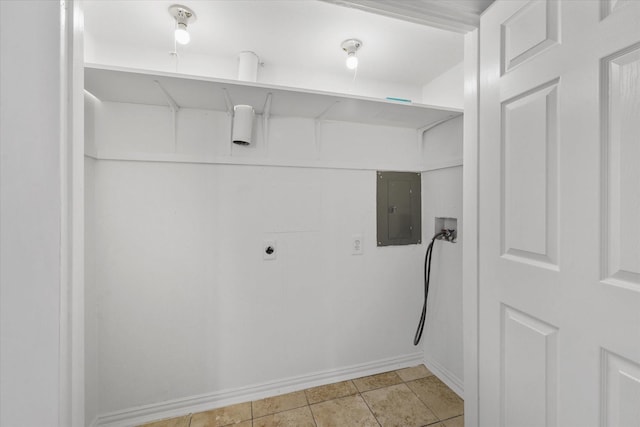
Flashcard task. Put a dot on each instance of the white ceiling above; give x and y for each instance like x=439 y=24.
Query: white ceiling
x=298 y=34
x=453 y=15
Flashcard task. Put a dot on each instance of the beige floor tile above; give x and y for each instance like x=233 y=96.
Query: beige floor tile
x=223 y=416
x=300 y=417
x=413 y=373
x=284 y=402
x=330 y=391
x=345 y=411
x=398 y=406
x=171 y=422
x=438 y=397
x=377 y=381
x=454 y=422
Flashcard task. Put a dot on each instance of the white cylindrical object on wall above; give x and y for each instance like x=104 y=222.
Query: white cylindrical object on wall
x=248 y=66
x=242 y=124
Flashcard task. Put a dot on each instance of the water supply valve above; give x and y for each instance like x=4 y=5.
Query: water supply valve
x=448 y=226
x=449 y=235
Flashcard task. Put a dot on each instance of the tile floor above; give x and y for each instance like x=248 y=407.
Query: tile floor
x=411 y=397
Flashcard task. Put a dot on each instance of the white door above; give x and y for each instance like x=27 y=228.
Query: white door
x=559 y=214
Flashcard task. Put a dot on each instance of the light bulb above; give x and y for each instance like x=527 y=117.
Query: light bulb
x=182 y=35
x=352 y=61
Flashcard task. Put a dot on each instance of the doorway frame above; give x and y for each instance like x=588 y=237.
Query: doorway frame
x=72 y=308
x=71 y=401
x=470 y=205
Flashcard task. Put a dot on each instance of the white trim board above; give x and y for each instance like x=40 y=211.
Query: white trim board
x=71 y=334
x=459 y=17
x=442 y=165
x=471 y=197
x=205 y=402
x=446 y=376
x=266 y=162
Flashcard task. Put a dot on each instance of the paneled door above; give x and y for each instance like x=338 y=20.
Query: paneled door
x=559 y=214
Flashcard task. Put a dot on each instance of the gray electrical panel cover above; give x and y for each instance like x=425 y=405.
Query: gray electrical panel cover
x=399 y=208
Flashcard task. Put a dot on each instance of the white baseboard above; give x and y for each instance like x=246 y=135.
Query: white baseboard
x=205 y=402
x=446 y=376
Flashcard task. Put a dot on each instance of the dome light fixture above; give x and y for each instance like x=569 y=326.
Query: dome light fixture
x=183 y=16
x=351 y=46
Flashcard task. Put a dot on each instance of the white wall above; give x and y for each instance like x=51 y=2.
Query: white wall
x=92 y=350
x=30 y=222
x=442 y=197
x=186 y=304
x=442 y=192
x=446 y=90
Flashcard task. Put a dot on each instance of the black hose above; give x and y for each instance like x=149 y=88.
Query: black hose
x=427 y=274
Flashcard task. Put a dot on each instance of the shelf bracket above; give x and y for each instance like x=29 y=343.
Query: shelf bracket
x=174 y=107
x=420 y=137
x=227 y=100
x=266 y=114
x=318 y=126
x=421 y=130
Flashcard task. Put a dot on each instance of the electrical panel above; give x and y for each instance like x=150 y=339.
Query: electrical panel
x=399 y=208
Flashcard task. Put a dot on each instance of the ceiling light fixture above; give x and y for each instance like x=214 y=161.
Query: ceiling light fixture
x=183 y=15
x=351 y=46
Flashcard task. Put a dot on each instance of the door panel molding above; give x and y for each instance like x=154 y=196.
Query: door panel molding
x=528 y=370
x=620 y=108
x=530 y=31
x=529 y=157
x=620 y=391
x=609 y=7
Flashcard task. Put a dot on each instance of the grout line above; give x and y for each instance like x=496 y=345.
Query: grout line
x=450 y=418
x=337 y=397
x=378 y=388
x=416 y=379
x=313 y=417
x=282 y=410
x=357 y=393
x=277 y=412
x=389 y=385
x=423 y=402
x=370 y=410
x=306 y=398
